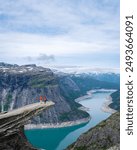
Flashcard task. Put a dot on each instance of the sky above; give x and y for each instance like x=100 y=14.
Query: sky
x=60 y=32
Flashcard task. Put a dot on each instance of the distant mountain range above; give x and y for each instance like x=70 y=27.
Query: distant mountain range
x=101 y=74
x=83 y=69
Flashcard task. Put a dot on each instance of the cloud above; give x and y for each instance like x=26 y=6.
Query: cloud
x=60 y=18
x=41 y=58
x=45 y=57
x=32 y=45
x=28 y=28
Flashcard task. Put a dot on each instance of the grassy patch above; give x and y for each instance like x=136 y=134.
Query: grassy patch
x=41 y=82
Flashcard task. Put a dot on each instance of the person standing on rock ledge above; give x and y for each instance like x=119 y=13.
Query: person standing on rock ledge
x=42 y=98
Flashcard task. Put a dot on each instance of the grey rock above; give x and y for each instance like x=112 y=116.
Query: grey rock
x=102 y=137
x=12 y=126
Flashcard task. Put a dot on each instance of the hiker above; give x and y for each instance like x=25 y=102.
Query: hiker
x=41 y=99
x=45 y=99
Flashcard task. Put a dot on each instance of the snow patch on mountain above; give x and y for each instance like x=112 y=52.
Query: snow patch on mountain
x=83 y=69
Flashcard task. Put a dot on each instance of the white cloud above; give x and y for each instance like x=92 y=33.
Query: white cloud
x=29 y=44
x=28 y=28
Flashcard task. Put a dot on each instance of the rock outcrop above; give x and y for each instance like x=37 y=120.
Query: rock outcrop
x=106 y=135
x=11 y=126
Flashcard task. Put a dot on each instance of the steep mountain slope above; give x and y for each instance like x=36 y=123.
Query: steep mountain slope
x=115 y=100
x=101 y=74
x=22 y=85
x=86 y=83
x=108 y=76
x=102 y=137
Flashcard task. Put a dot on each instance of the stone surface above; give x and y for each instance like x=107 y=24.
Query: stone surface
x=12 y=126
x=102 y=137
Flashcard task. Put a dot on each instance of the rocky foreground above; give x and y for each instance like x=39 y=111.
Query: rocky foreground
x=104 y=136
x=12 y=126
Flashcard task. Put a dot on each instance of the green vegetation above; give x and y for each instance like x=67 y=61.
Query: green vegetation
x=42 y=82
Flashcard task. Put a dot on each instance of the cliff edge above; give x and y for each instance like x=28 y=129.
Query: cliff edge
x=12 y=126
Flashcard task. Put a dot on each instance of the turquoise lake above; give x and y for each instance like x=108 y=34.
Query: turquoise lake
x=60 y=138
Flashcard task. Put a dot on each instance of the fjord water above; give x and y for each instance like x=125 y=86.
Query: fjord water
x=60 y=138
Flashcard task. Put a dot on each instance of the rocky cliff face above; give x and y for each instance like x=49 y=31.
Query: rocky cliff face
x=17 y=141
x=22 y=85
x=104 y=136
x=11 y=126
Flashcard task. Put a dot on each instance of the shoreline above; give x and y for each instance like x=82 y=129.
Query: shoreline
x=85 y=97
x=57 y=125
x=90 y=92
x=105 y=107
